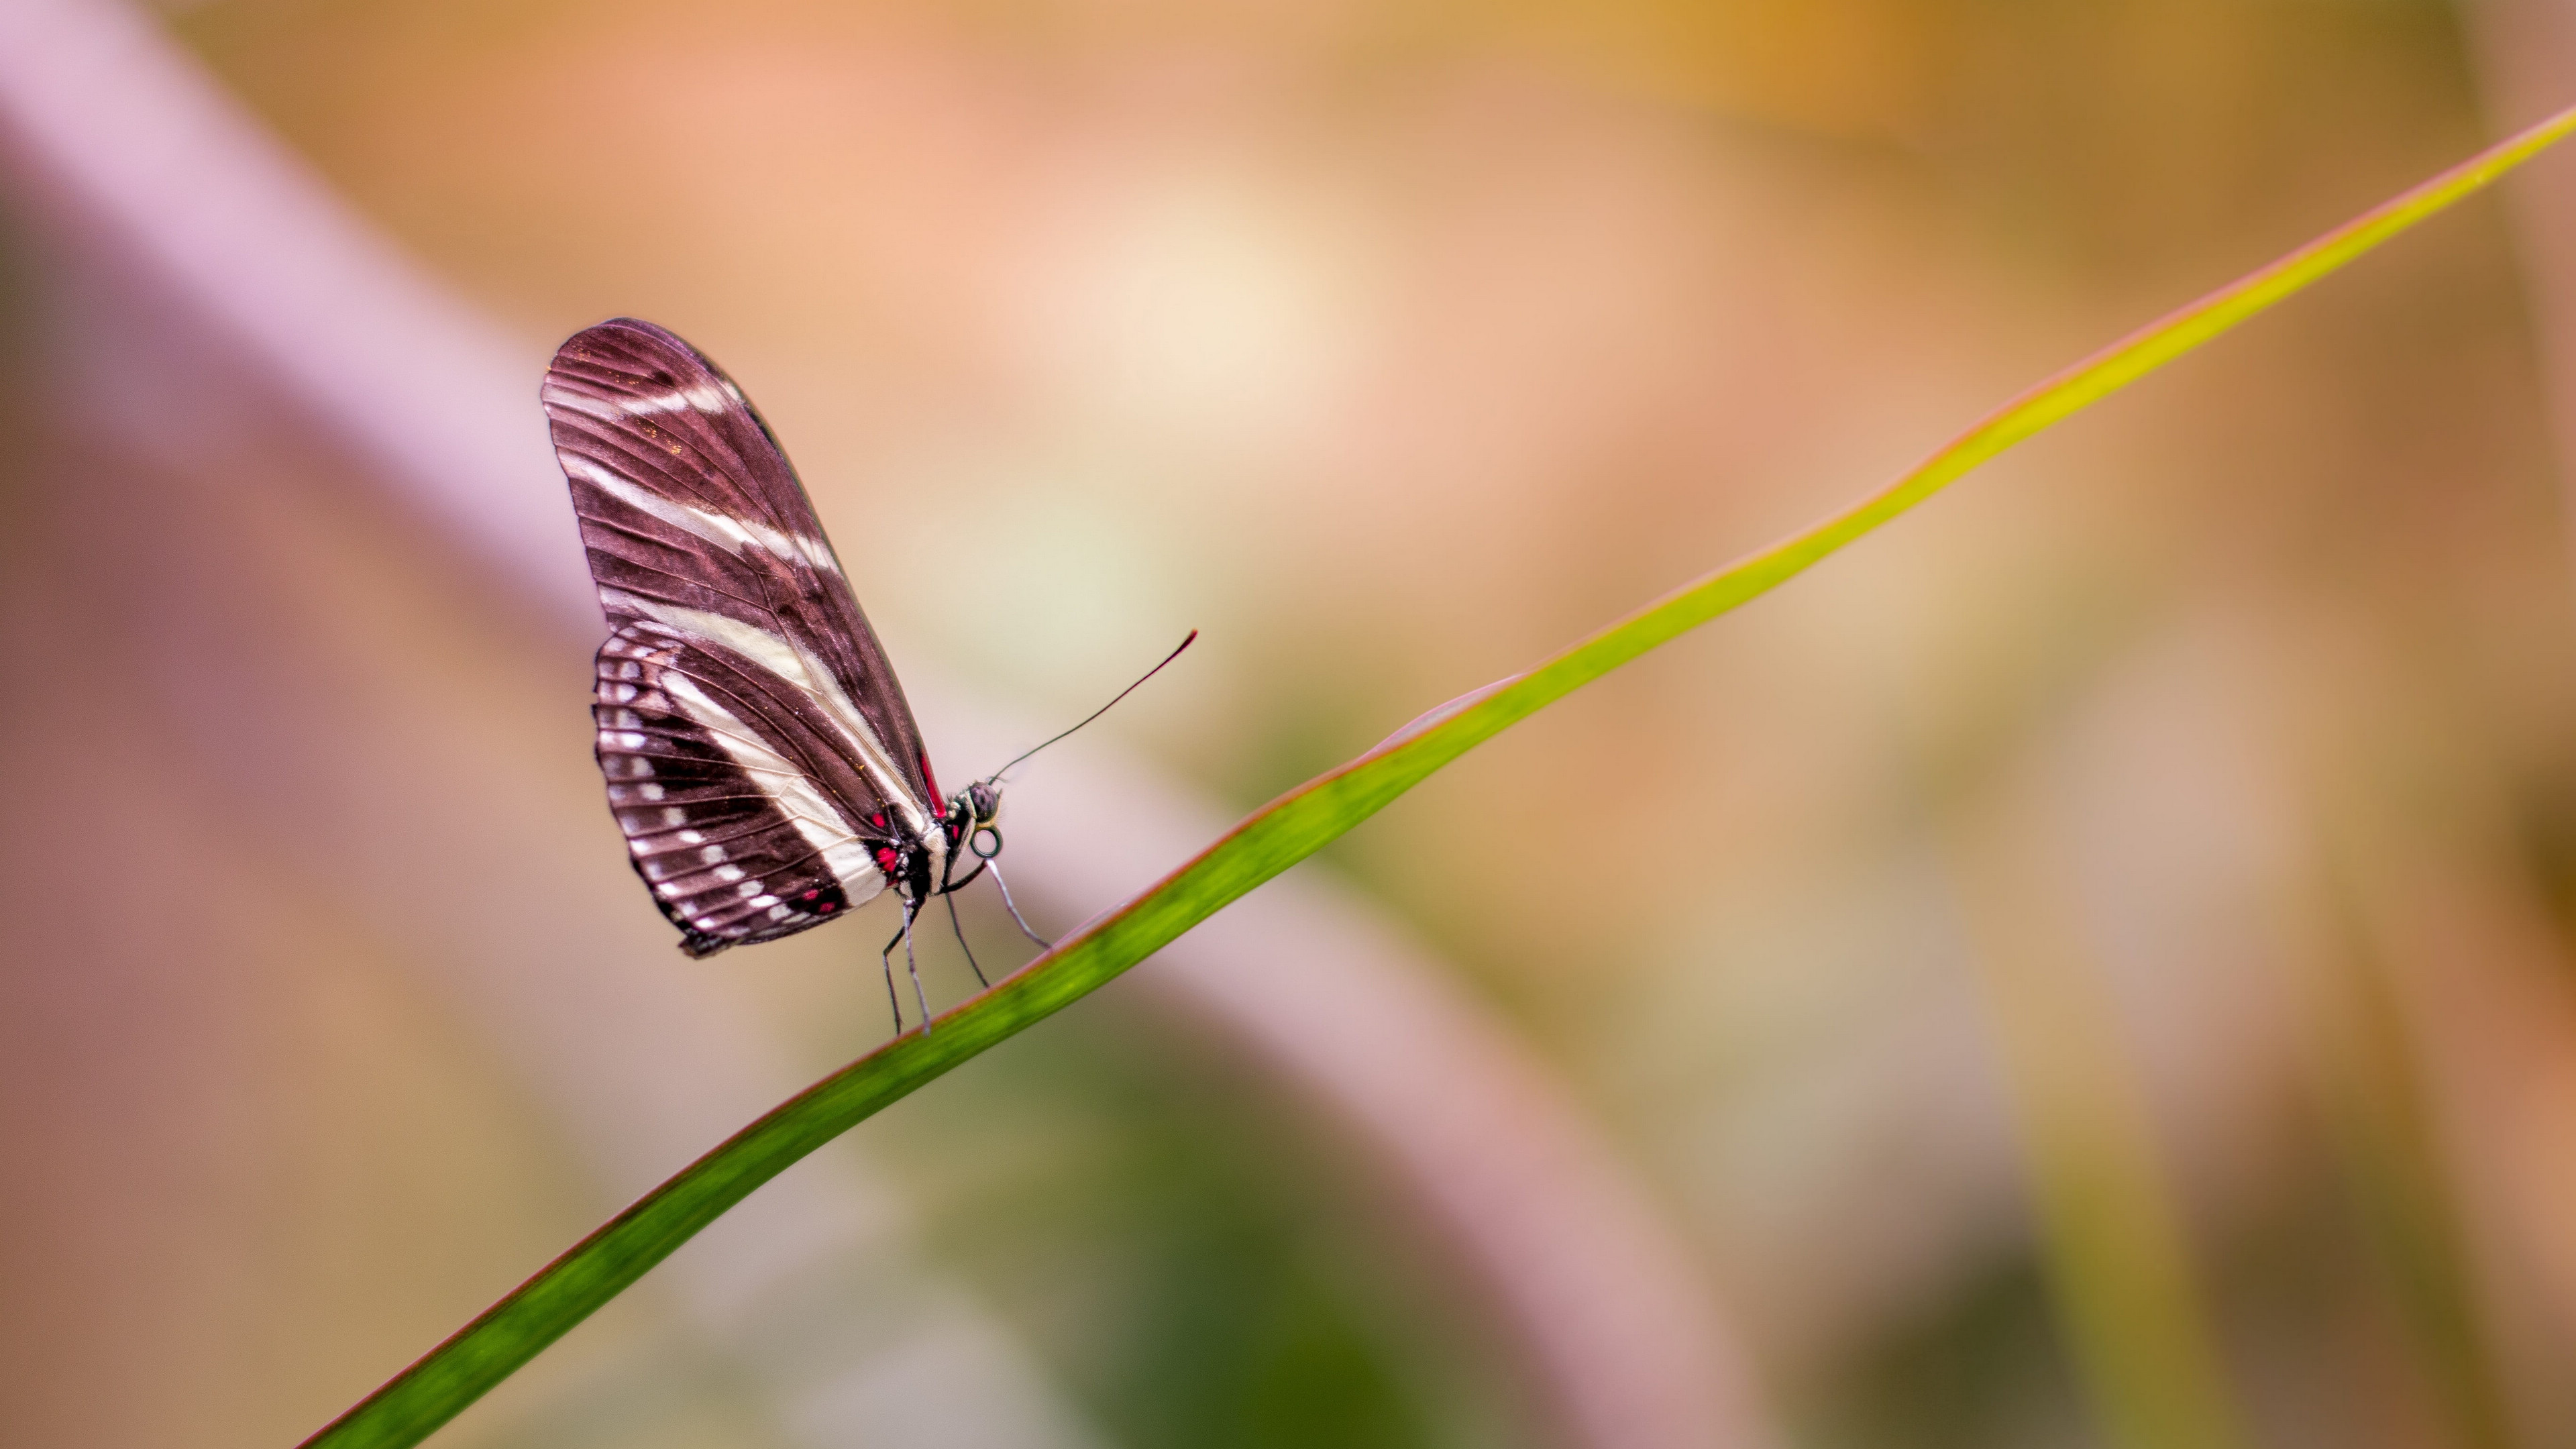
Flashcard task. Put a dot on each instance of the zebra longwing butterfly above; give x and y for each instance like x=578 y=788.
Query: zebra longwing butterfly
x=760 y=756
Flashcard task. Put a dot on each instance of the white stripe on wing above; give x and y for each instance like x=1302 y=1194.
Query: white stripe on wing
x=781 y=657
x=731 y=534
x=788 y=788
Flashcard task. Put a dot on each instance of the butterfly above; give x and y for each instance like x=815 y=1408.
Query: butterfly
x=759 y=753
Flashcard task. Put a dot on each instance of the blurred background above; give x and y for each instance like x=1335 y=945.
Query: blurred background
x=2090 y=966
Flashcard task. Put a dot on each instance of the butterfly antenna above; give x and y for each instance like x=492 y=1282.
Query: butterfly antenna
x=995 y=777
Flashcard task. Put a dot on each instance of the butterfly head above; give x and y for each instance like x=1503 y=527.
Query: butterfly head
x=971 y=817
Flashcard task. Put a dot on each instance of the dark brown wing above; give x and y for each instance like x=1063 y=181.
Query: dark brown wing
x=693 y=520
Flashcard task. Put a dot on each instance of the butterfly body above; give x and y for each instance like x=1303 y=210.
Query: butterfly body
x=760 y=756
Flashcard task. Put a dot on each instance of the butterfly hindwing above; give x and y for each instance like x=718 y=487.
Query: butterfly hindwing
x=736 y=811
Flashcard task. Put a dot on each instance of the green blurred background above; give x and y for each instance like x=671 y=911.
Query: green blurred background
x=2090 y=966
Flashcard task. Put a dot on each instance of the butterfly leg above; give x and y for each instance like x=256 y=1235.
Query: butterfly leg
x=887 y=957
x=913 y=965
x=960 y=928
x=1014 y=908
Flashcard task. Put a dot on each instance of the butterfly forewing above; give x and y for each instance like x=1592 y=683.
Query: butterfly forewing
x=765 y=724
x=689 y=506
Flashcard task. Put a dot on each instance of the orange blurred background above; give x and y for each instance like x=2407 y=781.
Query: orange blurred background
x=2091 y=965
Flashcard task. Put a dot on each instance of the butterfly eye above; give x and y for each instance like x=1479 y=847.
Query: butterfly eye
x=982 y=850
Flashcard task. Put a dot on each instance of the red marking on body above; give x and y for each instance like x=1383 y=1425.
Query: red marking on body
x=928 y=778
x=885 y=859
